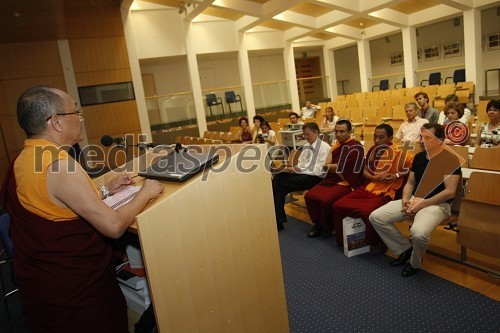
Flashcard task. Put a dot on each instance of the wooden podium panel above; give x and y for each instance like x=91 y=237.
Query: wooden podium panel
x=211 y=252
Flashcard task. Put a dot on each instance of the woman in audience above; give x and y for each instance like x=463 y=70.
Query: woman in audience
x=329 y=121
x=456 y=133
x=268 y=135
x=330 y=118
x=489 y=133
x=451 y=98
x=245 y=134
x=256 y=130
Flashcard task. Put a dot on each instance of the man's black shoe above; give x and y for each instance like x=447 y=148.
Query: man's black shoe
x=280 y=226
x=403 y=258
x=315 y=231
x=409 y=270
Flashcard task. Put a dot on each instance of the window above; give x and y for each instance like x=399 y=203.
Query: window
x=106 y=93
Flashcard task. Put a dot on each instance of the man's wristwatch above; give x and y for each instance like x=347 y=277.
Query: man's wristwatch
x=104 y=191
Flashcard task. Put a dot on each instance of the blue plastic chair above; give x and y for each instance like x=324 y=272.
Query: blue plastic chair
x=231 y=97
x=383 y=85
x=458 y=76
x=213 y=100
x=434 y=78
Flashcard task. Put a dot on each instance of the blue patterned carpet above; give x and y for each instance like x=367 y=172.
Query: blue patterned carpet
x=329 y=292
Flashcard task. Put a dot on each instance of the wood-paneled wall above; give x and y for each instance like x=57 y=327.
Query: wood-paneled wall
x=99 y=56
x=23 y=65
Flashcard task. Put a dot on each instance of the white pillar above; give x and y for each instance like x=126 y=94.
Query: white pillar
x=194 y=78
x=70 y=78
x=329 y=61
x=245 y=75
x=410 y=56
x=473 y=54
x=291 y=76
x=135 y=70
x=365 y=65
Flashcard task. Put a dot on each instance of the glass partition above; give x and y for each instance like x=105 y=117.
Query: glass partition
x=273 y=95
x=314 y=89
x=171 y=115
x=395 y=81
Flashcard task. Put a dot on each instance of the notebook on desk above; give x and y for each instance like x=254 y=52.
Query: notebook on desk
x=179 y=167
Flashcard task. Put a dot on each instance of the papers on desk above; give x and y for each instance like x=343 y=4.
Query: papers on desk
x=121 y=198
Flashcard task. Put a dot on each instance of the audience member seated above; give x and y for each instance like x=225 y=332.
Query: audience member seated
x=268 y=135
x=309 y=111
x=427 y=196
x=489 y=133
x=386 y=167
x=426 y=111
x=410 y=129
x=344 y=171
x=465 y=118
x=60 y=226
x=295 y=118
x=245 y=134
x=456 y=132
x=329 y=119
x=328 y=125
x=256 y=130
x=307 y=173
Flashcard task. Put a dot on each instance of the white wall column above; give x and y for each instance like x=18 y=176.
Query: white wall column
x=70 y=79
x=410 y=56
x=135 y=70
x=365 y=65
x=194 y=78
x=291 y=76
x=245 y=75
x=473 y=51
x=329 y=61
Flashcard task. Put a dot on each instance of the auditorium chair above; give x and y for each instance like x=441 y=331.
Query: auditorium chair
x=478 y=225
x=486 y=159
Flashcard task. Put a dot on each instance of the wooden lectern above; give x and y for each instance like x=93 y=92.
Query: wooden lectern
x=211 y=251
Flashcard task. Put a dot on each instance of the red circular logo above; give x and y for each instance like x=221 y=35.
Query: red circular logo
x=457 y=132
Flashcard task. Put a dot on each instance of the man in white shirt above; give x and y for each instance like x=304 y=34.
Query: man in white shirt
x=454 y=98
x=410 y=130
x=307 y=173
x=309 y=111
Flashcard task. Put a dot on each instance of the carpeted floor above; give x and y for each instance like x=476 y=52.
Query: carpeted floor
x=329 y=292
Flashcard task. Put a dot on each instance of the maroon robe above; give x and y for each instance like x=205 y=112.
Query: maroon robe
x=320 y=198
x=64 y=270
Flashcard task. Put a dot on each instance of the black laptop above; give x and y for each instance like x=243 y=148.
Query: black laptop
x=179 y=167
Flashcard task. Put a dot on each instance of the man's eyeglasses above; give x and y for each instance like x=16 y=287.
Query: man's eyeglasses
x=78 y=112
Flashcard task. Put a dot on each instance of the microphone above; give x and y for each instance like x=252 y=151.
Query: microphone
x=107 y=140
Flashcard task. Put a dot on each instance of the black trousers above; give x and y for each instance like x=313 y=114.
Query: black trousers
x=284 y=183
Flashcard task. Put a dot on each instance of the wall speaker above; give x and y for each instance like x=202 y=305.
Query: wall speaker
x=456 y=22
